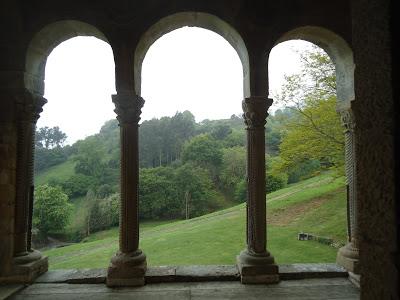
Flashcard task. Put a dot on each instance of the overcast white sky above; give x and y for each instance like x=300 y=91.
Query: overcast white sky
x=188 y=69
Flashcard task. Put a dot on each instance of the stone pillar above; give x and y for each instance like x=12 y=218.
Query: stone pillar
x=348 y=255
x=8 y=158
x=129 y=265
x=255 y=263
x=27 y=263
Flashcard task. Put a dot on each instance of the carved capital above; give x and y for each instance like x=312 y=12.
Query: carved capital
x=347 y=119
x=128 y=107
x=29 y=106
x=256 y=111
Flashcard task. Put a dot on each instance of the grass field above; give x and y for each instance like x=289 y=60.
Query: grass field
x=315 y=206
x=61 y=171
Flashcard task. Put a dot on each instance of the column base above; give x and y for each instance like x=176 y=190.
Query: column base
x=355 y=279
x=26 y=268
x=257 y=269
x=127 y=269
x=347 y=257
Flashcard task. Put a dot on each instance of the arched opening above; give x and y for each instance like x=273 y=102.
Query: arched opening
x=45 y=41
x=76 y=173
x=191 y=19
x=339 y=52
x=189 y=182
x=316 y=104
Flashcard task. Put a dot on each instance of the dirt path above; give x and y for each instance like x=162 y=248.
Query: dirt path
x=283 y=217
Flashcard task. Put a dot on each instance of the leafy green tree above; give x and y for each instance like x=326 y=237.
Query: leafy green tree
x=194 y=185
x=51 y=209
x=50 y=137
x=161 y=140
x=158 y=194
x=320 y=138
x=221 y=131
x=236 y=138
x=77 y=185
x=46 y=158
x=233 y=169
x=314 y=131
x=205 y=152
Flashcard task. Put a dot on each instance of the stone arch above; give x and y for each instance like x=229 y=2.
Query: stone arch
x=193 y=19
x=340 y=53
x=44 y=41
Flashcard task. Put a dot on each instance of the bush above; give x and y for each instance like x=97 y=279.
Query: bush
x=77 y=185
x=274 y=183
x=241 y=191
x=46 y=158
x=51 y=209
x=304 y=170
x=102 y=213
x=104 y=190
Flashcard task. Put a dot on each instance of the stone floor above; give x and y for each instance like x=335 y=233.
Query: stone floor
x=325 y=288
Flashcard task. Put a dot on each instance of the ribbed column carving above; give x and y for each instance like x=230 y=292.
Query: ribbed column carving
x=28 y=108
x=129 y=265
x=128 y=110
x=349 y=254
x=350 y=164
x=255 y=263
x=255 y=114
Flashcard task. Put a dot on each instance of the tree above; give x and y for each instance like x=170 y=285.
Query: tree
x=161 y=140
x=233 y=168
x=50 y=137
x=158 y=195
x=51 y=209
x=194 y=185
x=221 y=131
x=314 y=131
x=203 y=151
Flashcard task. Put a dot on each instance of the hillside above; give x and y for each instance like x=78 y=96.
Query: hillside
x=316 y=206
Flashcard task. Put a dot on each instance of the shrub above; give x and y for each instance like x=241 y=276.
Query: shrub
x=77 y=185
x=51 y=209
x=274 y=183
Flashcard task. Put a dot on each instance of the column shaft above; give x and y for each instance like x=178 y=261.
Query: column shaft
x=256 y=205
x=129 y=265
x=129 y=218
x=255 y=263
x=348 y=255
x=27 y=263
x=29 y=106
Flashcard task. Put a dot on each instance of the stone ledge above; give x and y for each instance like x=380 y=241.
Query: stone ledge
x=314 y=270
x=7 y=291
x=194 y=273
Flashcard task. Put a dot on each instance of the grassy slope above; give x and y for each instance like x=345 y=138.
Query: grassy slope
x=316 y=205
x=61 y=172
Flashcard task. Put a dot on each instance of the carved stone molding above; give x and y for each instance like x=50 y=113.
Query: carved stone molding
x=29 y=106
x=347 y=119
x=255 y=111
x=128 y=107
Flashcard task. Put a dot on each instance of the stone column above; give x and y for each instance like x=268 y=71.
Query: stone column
x=348 y=255
x=27 y=263
x=255 y=263
x=129 y=265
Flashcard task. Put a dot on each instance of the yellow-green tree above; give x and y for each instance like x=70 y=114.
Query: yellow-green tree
x=314 y=132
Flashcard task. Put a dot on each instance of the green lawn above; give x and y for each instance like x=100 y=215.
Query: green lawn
x=316 y=206
x=62 y=172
